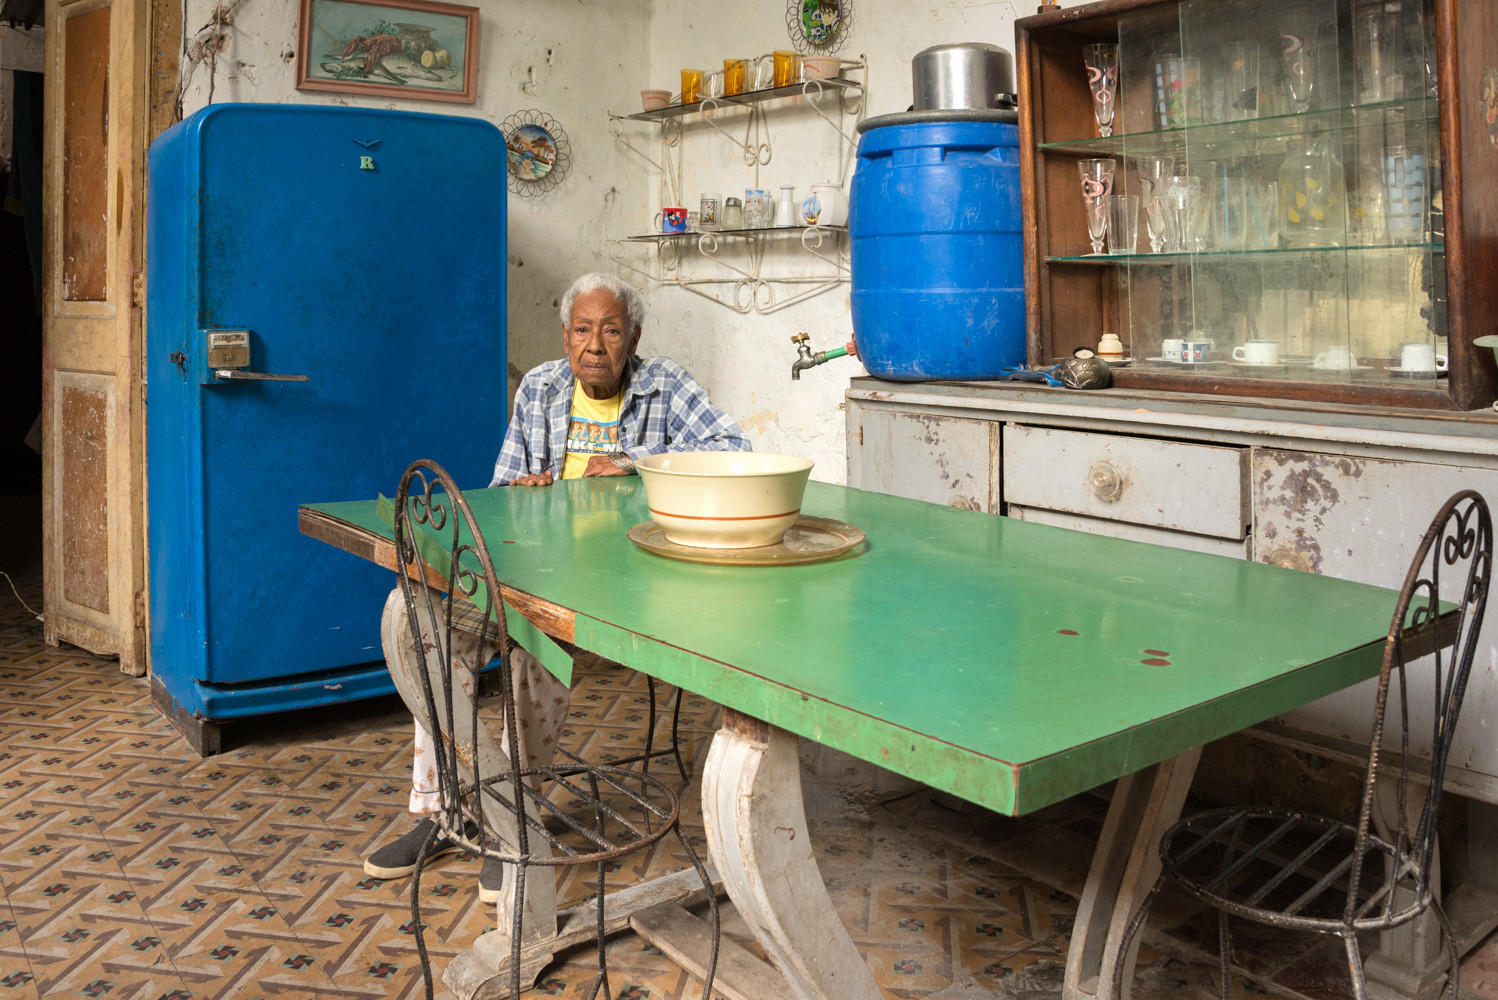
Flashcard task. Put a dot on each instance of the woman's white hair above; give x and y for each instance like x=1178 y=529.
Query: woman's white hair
x=595 y=281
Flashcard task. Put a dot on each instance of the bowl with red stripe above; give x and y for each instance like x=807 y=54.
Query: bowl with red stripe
x=724 y=499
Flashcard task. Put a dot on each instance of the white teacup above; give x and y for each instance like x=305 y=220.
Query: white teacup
x=1258 y=352
x=1421 y=358
x=1170 y=348
x=1338 y=357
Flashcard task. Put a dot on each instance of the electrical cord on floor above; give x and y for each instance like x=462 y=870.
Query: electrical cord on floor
x=13 y=590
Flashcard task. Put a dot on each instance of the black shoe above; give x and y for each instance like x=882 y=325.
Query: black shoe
x=398 y=858
x=491 y=880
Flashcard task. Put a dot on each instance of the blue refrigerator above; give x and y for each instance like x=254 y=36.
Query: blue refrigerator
x=325 y=304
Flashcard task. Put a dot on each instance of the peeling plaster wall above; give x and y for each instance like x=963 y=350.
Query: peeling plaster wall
x=746 y=359
x=566 y=57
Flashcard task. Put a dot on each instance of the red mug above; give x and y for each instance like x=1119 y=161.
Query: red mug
x=671 y=220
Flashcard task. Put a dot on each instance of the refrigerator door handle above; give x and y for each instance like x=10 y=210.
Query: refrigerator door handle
x=235 y=375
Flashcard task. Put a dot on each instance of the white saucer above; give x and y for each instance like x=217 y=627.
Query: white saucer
x=1251 y=364
x=1416 y=372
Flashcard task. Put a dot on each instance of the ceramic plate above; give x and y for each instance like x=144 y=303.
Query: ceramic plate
x=810 y=539
x=1415 y=372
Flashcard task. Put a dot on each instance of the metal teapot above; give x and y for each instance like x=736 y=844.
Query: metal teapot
x=1084 y=370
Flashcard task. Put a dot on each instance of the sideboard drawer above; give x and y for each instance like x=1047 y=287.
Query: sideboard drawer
x=1176 y=485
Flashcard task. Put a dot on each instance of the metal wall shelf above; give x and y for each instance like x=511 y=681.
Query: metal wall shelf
x=736 y=276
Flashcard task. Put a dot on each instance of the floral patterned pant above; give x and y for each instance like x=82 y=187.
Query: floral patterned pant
x=541 y=698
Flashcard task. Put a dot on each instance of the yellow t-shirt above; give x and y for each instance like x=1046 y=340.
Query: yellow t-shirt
x=592 y=430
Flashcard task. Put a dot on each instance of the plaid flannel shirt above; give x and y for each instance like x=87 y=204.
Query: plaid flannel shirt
x=664 y=409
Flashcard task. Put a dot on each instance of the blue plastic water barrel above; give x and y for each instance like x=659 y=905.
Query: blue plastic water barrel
x=938 y=283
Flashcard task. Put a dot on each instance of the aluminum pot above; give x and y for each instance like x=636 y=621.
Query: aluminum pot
x=966 y=75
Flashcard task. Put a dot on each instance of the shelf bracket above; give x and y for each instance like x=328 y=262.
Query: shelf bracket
x=756 y=154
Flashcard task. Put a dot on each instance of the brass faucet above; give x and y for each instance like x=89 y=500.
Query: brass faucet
x=806 y=359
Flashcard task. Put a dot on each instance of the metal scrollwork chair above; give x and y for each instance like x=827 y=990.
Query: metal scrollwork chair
x=552 y=814
x=1305 y=872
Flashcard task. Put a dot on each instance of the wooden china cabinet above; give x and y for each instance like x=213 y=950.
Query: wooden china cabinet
x=1331 y=189
x=1376 y=116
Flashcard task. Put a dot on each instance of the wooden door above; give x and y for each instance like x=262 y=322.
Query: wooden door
x=92 y=409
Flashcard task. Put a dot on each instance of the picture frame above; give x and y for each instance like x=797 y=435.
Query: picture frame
x=421 y=50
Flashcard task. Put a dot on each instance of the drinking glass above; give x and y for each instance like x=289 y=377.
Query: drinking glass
x=1299 y=42
x=1404 y=193
x=691 y=86
x=733 y=76
x=1123 y=223
x=1263 y=215
x=1183 y=195
x=1374 y=46
x=1154 y=171
x=1240 y=80
x=1227 y=205
x=1097 y=185
x=1101 y=59
x=787 y=67
x=759 y=209
x=1177 y=79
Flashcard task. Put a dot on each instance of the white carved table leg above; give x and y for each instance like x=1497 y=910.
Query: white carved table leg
x=756 y=835
x=1124 y=868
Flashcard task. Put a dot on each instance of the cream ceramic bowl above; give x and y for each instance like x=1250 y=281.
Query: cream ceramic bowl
x=654 y=100
x=724 y=499
x=819 y=67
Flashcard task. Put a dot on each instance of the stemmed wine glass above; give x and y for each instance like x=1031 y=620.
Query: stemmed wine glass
x=1101 y=59
x=1097 y=185
x=1298 y=39
x=1154 y=171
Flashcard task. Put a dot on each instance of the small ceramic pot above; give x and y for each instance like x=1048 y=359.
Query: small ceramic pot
x=819 y=67
x=826 y=206
x=654 y=100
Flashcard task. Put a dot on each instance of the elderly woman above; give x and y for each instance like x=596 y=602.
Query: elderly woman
x=588 y=414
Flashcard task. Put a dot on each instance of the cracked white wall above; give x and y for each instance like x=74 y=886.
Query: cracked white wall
x=579 y=59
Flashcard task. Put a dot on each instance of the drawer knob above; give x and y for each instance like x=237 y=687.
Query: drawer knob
x=1105 y=481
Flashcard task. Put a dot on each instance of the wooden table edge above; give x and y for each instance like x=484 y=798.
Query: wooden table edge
x=556 y=621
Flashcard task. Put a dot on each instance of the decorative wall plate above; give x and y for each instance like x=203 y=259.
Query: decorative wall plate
x=818 y=26
x=538 y=151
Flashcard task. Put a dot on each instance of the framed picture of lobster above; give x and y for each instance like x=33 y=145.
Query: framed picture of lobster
x=415 y=49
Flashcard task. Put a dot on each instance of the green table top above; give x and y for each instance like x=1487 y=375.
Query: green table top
x=1009 y=663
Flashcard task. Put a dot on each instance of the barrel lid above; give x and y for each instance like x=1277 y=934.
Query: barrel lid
x=940 y=116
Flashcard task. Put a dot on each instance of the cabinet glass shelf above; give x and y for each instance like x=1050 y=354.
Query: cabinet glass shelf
x=765 y=231
x=808 y=88
x=1220 y=136
x=1260 y=256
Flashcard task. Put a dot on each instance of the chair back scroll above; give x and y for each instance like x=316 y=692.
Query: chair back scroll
x=1454 y=559
x=447 y=565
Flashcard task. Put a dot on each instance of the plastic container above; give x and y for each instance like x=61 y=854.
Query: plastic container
x=937 y=259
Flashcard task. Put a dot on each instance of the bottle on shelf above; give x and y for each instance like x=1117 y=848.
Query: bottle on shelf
x=785 y=208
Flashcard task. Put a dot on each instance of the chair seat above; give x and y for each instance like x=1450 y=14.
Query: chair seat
x=1288 y=869
x=584 y=813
